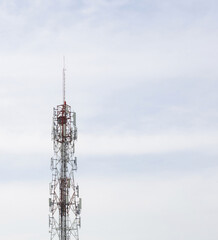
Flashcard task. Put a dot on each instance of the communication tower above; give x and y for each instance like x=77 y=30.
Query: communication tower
x=64 y=202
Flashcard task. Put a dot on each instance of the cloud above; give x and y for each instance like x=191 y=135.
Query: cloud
x=131 y=144
x=24 y=206
x=143 y=205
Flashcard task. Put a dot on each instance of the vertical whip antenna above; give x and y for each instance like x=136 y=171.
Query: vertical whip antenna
x=64 y=70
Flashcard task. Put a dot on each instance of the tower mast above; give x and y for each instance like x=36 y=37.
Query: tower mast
x=64 y=201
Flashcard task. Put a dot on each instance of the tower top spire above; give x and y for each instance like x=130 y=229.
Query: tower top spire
x=64 y=84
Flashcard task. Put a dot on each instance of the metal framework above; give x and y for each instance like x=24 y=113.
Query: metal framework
x=64 y=202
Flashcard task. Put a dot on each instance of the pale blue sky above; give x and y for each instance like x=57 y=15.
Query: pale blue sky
x=142 y=77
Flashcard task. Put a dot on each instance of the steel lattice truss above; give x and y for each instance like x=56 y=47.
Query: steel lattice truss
x=64 y=201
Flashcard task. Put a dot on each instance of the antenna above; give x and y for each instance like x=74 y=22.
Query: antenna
x=64 y=70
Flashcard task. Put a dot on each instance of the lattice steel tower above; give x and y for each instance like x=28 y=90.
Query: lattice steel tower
x=64 y=201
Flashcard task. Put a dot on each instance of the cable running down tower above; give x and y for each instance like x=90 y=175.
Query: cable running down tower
x=64 y=202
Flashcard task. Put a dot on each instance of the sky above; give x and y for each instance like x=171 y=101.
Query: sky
x=142 y=78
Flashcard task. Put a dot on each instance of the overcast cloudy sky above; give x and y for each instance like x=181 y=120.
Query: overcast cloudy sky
x=142 y=76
